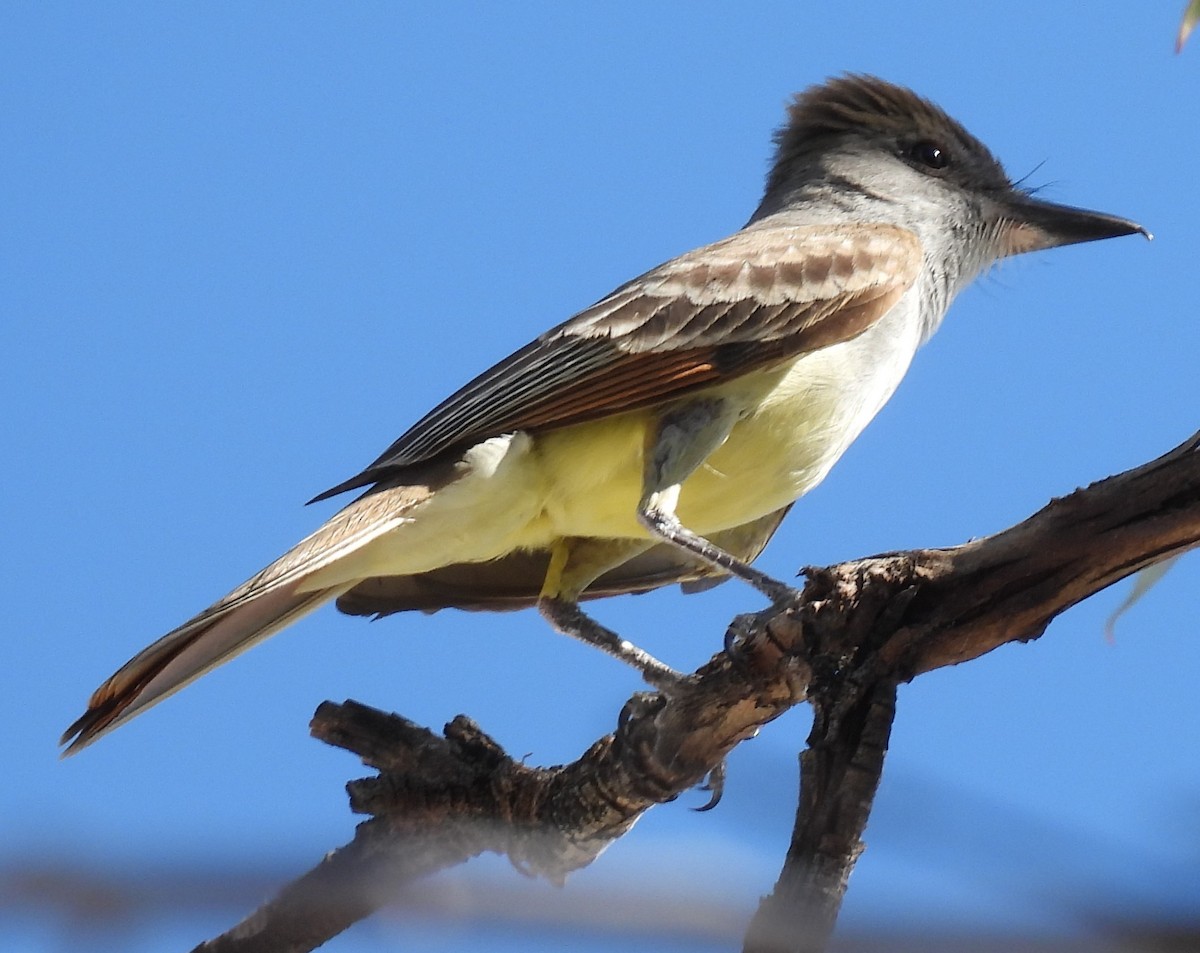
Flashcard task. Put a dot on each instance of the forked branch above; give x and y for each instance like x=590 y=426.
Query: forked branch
x=857 y=631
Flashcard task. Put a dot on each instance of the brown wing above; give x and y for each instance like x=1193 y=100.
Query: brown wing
x=763 y=295
x=513 y=581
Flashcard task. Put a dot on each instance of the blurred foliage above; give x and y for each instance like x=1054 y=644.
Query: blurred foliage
x=1190 y=16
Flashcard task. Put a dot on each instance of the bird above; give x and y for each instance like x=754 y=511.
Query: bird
x=660 y=435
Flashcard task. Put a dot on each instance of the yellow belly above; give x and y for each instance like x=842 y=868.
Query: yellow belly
x=795 y=426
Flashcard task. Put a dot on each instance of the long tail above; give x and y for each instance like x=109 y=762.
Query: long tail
x=183 y=655
x=271 y=600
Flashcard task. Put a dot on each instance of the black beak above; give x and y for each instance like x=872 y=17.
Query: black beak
x=1029 y=224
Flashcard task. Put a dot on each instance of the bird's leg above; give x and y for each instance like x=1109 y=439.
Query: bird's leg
x=683 y=439
x=574 y=563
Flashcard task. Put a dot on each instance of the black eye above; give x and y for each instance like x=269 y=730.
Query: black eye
x=929 y=154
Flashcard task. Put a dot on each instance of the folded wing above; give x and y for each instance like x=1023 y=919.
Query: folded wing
x=761 y=296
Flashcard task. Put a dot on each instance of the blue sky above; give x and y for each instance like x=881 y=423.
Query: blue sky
x=245 y=246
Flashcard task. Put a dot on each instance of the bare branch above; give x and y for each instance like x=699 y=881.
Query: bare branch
x=839 y=775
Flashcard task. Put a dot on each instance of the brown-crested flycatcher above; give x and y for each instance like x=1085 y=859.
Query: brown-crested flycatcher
x=659 y=435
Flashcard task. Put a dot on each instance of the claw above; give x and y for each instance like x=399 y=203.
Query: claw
x=739 y=632
x=715 y=785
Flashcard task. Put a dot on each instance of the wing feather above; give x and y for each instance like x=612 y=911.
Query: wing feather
x=761 y=296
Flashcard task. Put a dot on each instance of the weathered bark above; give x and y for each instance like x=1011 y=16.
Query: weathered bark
x=856 y=631
x=839 y=775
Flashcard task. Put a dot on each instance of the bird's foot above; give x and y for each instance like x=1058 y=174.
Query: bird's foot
x=566 y=616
